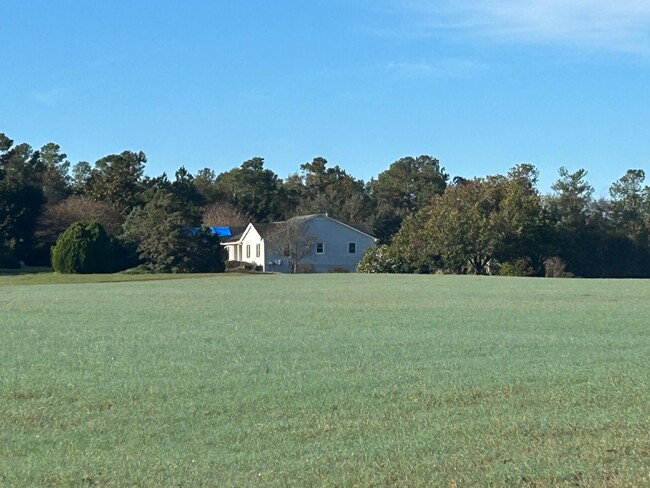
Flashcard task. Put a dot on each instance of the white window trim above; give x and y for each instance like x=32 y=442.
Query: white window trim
x=323 y=247
x=355 y=247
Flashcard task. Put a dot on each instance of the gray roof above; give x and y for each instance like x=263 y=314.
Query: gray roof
x=265 y=230
x=236 y=233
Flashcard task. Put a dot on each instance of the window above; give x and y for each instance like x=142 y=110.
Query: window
x=352 y=247
x=286 y=251
x=258 y=250
x=320 y=248
x=248 y=250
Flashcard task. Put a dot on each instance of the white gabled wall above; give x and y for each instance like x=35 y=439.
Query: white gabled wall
x=237 y=251
x=252 y=238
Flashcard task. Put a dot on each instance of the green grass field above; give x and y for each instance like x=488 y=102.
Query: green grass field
x=325 y=380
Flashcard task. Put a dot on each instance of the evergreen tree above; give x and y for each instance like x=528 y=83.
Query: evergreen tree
x=84 y=247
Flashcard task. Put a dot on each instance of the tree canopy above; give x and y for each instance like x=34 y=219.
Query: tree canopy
x=426 y=220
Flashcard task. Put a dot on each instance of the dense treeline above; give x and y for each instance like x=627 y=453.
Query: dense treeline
x=425 y=222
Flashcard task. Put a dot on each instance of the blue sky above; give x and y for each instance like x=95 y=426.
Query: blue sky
x=481 y=85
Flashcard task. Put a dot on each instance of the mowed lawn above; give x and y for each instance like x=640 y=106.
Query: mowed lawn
x=326 y=380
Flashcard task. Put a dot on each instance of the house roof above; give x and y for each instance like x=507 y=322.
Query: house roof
x=265 y=230
x=235 y=234
x=362 y=228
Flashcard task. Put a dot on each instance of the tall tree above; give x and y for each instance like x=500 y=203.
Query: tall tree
x=527 y=224
x=409 y=183
x=569 y=207
x=406 y=186
x=184 y=189
x=333 y=191
x=117 y=180
x=162 y=232
x=572 y=199
x=257 y=191
x=81 y=177
x=631 y=205
x=21 y=199
x=55 y=179
x=205 y=181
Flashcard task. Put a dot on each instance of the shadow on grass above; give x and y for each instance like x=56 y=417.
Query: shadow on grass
x=25 y=270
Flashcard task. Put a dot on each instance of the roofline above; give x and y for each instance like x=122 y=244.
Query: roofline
x=305 y=218
x=243 y=235
x=342 y=223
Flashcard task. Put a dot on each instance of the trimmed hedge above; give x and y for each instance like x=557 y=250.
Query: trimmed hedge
x=84 y=247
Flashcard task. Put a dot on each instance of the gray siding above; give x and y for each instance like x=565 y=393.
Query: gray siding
x=336 y=238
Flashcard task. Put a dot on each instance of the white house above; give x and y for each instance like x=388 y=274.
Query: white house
x=336 y=246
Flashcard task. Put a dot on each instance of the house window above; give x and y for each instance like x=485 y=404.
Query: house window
x=320 y=248
x=258 y=250
x=352 y=247
x=286 y=251
x=248 y=250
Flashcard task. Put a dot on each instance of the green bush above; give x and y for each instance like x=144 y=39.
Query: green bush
x=84 y=247
x=516 y=267
x=378 y=259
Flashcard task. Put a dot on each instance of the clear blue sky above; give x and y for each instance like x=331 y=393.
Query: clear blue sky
x=480 y=84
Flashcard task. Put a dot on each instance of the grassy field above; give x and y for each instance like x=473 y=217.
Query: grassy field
x=325 y=380
x=45 y=276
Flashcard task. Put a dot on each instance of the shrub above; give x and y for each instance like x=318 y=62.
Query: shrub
x=242 y=266
x=554 y=268
x=378 y=259
x=83 y=247
x=305 y=268
x=203 y=253
x=516 y=267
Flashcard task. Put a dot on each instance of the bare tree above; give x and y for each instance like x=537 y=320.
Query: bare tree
x=58 y=216
x=292 y=240
x=221 y=213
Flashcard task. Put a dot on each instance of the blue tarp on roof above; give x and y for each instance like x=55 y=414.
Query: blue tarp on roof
x=220 y=231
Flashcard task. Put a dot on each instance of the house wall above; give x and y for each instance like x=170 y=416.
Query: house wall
x=252 y=239
x=238 y=252
x=232 y=250
x=335 y=238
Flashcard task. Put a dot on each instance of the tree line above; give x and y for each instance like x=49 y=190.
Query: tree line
x=425 y=221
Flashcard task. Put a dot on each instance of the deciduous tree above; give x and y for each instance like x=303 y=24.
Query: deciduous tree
x=59 y=216
x=224 y=214
x=292 y=240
